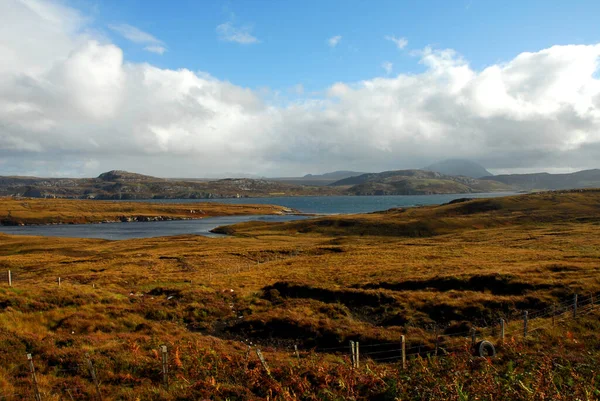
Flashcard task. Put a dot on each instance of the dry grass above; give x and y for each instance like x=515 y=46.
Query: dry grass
x=61 y=211
x=315 y=284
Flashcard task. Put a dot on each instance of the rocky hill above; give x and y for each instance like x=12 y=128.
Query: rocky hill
x=416 y=182
x=118 y=184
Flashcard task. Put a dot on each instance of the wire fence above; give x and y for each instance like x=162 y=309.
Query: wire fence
x=422 y=343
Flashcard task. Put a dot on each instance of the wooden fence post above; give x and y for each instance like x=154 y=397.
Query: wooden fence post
x=352 y=354
x=473 y=336
x=356 y=355
x=59 y=281
x=296 y=351
x=263 y=361
x=502 y=330
x=165 y=366
x=525 y=318
x=574 y=306
x=403 y=340
x=94 y=377
x=9 y=279
x=36 y=390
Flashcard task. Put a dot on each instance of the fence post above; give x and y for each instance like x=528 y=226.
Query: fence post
x=59 y=281
x=356 y=354
x=403 y=340
x=502 y=330
x=36 y=390
x=263 y=361
x=525 y=318
x=296 y=351
x=165 y=366
x=473 y=336
x=94 y=377
x=352 y=357
x=574 y=306
x=9 y=279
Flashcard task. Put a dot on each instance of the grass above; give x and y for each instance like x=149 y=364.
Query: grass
x=317 y=284
x=61 y=211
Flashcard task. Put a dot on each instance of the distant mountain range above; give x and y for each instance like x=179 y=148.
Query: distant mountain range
x=461 y=167
x=318 y=179
x=416 y=182
x=125 y=185
x=546 y=181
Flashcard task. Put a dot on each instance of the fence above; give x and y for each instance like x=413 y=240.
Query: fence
x=518 y=325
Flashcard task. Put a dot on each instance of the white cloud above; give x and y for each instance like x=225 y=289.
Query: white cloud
x=387 y=66
x=138 y=36
x=401 y=43
x=230 y=33
x=156 y=49
x=334 y=40
x=71 y=105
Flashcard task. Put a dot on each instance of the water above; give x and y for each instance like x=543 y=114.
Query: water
x=343 y=204
x=305 y=204
x=118 y=231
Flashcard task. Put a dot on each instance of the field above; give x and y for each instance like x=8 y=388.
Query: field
x=60 y=211
x=315 y=284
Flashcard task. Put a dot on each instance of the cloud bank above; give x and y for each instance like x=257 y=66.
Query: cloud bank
x=71 y=105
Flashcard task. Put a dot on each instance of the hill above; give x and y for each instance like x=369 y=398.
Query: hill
x=461 y=167
x=416 y=182
x=118 y=184
x=547 y=181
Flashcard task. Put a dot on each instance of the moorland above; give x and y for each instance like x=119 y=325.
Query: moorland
x=315 y=284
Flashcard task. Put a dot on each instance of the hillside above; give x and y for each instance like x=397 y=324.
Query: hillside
x=125 y=185
x=416 y=182
x=460 y=167
x=459 y=215
x=547 y=181
x=431 y=274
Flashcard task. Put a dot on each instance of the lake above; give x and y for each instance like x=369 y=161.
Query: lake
x=342 y=204
x=118 y=231
x=306 y=204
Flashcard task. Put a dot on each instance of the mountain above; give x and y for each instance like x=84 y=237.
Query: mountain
x=416 y=182
x=318 y=179
x=462 y=167
x=119 y=184
x=335 y=175
x=547 y=181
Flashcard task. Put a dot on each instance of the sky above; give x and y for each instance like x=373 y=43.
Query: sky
x=285 y=88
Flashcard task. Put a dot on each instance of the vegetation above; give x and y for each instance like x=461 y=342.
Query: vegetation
x=317 y=284
x=61 y=211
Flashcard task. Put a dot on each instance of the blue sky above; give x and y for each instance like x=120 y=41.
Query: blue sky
x=286 y=88
x=292 y=35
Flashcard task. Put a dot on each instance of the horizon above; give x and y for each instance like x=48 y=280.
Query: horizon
x=208 y=90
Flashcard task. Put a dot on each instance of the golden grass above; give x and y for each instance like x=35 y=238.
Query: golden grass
x=48 y=211
x=316 y=283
